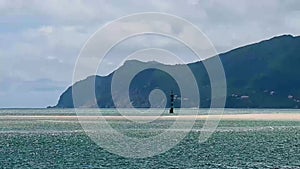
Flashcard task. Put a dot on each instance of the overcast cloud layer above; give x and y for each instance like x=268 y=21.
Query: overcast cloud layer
x=40 y=40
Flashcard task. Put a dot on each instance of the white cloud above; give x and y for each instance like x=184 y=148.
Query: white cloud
x=45 y=30
x=41 y=39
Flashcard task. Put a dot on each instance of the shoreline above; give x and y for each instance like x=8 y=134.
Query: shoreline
x=246 y=117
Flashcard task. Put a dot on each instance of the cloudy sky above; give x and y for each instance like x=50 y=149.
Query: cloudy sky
x=40 y=40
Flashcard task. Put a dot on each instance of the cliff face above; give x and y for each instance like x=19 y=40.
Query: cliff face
x=260 y=75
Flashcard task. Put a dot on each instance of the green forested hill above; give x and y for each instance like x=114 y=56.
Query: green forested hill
x=260 y=75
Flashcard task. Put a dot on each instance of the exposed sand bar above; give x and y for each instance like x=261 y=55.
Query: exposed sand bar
x=271 y=117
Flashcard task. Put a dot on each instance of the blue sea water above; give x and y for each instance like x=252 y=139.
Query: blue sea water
x=64 y=144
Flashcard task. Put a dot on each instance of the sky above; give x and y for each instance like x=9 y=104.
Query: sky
x=40 y=40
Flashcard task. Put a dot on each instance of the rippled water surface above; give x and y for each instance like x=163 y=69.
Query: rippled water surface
x=63 y=144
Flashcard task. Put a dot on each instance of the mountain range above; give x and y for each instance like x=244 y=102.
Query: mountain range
x=260 y=75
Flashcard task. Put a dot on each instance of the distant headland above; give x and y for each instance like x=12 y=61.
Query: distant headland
x=260 y=75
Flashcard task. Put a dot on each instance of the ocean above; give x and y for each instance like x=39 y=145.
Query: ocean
x=50 y=143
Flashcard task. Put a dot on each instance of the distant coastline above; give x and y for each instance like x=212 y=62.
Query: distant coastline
x=260 y=75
